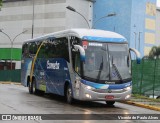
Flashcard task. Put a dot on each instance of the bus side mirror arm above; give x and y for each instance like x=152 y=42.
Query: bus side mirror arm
x=138 y=55
x=81 y=50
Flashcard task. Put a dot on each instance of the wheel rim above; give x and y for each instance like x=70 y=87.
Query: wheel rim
x=34 y=87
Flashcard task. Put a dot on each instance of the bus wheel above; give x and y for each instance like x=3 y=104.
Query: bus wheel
x=69 y=98
x=34 y=86
x=30 y=87
x=35 y=90
x=110 y=103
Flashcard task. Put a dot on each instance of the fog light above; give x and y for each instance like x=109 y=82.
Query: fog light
x=128 y=96
x=88 y=96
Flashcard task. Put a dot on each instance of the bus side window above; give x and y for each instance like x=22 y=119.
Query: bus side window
x=25 y=51
x=32 y=49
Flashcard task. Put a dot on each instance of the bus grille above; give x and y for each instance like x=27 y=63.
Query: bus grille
x=109 y=91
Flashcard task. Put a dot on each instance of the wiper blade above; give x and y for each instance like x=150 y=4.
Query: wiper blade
x=100 y=70
x=118 y=73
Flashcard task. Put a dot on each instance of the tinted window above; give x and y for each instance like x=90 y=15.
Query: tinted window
x=25 y=50
x=55 y=48
x=32 y=48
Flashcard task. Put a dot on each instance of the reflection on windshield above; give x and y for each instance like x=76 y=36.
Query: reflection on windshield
x=96 y=65
x=101 y=61
x=119 y=54
x=118 y=73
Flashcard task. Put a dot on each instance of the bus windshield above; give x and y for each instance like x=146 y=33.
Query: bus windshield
x=106 y=62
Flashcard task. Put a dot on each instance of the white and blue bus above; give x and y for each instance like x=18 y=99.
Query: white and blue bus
x=81 y=64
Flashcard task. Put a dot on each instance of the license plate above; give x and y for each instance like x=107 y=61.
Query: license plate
x=109 y=97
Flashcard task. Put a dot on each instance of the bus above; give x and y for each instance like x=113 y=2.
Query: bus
x=81 y=64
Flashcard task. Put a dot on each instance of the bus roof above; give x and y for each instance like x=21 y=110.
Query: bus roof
x=85 y=34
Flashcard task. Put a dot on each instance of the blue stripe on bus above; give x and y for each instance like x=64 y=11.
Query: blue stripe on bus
x=102 y=39
x=106 y=86
x=120 y=86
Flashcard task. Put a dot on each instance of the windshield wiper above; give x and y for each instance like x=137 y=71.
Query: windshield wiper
x=117 y=71
x=100 y=70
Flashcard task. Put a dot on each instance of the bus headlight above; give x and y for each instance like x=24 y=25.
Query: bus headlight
x=128 y=88
x=89 y=87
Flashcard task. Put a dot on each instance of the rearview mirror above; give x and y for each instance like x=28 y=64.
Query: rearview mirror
x=138 y=55
x=81 y=50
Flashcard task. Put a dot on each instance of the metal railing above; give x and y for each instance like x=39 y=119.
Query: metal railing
x=146 y=77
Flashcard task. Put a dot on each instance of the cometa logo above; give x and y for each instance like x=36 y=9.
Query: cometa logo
x=52 y=65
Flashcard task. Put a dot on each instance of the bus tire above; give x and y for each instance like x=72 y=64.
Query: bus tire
x=34 y=86
x=110 y=103
x=30 y=87
x=35 y=90
x=68 y=95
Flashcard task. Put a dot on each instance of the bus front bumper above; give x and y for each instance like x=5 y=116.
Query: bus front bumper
x=87 y=93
